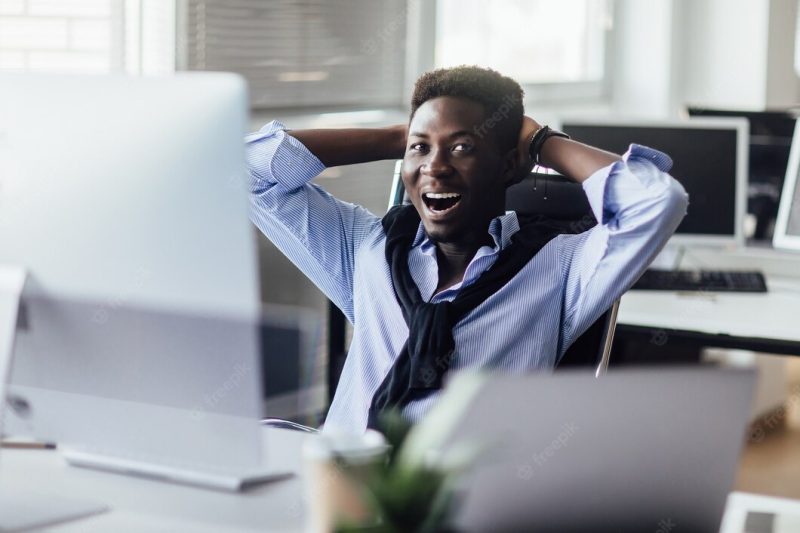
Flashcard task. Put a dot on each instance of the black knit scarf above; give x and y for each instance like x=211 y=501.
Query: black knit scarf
x=426 y=355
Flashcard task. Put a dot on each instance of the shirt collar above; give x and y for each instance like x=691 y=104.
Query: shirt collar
x=501 y=229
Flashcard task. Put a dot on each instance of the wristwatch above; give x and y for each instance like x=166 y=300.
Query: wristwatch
x=538 y=140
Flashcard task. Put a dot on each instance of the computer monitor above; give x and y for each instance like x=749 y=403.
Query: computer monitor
x=770 y=140
x=787 y=228
x=125 y=199
x=128 y=191
x=709 y=159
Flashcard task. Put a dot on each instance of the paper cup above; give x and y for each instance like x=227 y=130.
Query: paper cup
x=337 y=467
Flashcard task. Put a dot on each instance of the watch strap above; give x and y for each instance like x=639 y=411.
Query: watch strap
x=538 y=140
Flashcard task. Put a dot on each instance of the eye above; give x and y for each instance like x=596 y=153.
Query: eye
x=462 y=147
x=418 y=147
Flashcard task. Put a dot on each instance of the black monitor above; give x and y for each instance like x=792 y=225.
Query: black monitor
x=709 y=159
x=770 y=140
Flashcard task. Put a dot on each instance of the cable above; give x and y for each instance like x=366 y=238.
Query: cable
x=280 y=423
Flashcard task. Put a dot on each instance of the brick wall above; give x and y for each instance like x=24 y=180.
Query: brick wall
x=60 y=35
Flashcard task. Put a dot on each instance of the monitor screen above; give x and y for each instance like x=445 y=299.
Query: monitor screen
x=770 y=138
x=705 y=161
x=289 y=345
x=281 y=374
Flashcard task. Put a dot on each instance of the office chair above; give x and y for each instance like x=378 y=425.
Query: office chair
x=559 y=198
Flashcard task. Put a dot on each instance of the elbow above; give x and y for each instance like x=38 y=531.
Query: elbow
x=674 y=202
x=676 y=198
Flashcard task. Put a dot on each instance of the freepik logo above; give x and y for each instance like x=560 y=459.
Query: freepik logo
x=210 y=401
x=500 y=114
x=568 y=430
x=666 y=526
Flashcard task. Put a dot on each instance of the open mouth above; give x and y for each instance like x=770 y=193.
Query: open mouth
x=441 y=202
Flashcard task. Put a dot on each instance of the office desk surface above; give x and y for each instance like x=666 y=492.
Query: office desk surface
x=770 y=317
x=140 y=505
x=145 y=506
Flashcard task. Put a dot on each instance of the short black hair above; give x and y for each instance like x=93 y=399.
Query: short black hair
x=500 y=96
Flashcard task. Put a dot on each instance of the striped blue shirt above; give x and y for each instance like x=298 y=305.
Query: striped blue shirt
x=526 y=326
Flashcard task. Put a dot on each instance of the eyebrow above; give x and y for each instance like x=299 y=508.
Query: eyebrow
x=459 y=133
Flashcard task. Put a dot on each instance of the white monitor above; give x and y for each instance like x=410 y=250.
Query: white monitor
x=125 y=190
x=787 y=228
x=125 y=199
x=710 y=159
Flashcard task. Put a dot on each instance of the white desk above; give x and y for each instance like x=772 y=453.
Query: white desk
x=140 y=505
x=765 y=322
x=145 y=506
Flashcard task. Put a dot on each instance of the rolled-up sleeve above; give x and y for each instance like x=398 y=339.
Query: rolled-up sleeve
x=638 y=206
x=317 y=232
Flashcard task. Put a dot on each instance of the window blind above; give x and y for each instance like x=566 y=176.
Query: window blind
x=302 y=52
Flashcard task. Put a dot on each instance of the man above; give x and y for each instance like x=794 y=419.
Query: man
x=480 y=287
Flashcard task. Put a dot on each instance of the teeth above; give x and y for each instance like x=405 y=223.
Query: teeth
x=441 y=195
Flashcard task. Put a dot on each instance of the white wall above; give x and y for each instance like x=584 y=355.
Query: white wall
x=783 y=84
x=714 y=53
x=724 y=62
x=642 y=71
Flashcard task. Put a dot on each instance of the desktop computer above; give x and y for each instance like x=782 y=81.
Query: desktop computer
x=128 y=191
x=710 y=159
x=125 y=204
x=769 y=142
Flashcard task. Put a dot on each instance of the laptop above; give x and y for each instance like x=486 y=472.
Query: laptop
x=637 y=450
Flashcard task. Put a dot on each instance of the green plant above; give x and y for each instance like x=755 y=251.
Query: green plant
x=411 y=491
x=403 y=497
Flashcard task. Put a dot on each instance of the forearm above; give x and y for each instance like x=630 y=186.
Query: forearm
x=336 y=147
x=638 y=206
x=317 y=232
x=575 y=160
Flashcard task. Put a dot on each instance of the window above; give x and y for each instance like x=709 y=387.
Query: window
x=60 y=35
x=298 y=53
x=536 y=42
x=87 y=36
x=150 y=36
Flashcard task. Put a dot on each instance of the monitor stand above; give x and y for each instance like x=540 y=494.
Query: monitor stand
x=12 y=280
x=231 y=481
x=20 y=510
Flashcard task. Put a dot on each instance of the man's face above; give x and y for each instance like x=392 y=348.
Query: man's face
x=455 y=178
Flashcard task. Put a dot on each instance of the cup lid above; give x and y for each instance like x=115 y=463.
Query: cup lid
x=349 y=446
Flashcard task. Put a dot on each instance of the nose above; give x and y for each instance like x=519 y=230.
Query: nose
x=437 y=165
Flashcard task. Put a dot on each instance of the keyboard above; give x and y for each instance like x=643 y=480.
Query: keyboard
x=702 y=280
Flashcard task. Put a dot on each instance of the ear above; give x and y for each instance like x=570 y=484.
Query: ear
x=512 y=173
